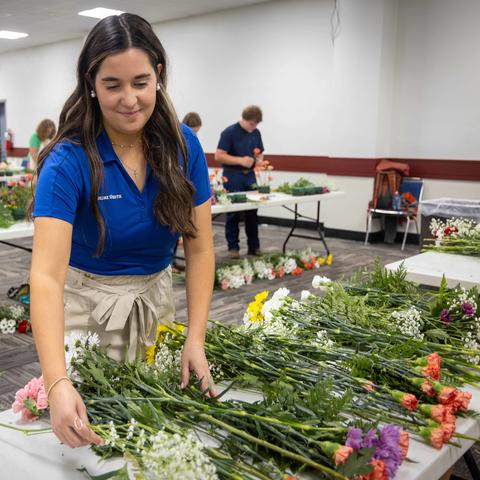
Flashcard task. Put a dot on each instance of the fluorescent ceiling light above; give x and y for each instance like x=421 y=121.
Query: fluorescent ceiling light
x=100 y=12
x=12 y=35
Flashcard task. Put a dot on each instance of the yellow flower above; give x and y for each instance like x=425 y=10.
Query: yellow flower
x=162 y=330
x=150 y=354
x=329 y=259
x=174 y=329
x=320 y=260
x=254 y=310
x=261 y=297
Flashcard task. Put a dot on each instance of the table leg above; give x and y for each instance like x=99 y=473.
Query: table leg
x=318 y=227
x=471 y=464
x=294 y=226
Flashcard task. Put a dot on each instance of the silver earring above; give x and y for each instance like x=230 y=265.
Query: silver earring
x=158 y=87
x=92 y=94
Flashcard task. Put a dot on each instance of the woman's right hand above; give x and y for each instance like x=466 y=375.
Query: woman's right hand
x=68 y=417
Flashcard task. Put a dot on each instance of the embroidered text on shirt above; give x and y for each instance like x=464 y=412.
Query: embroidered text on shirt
x=110 y=197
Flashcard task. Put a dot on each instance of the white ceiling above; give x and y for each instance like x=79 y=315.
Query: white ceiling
x=50 y=21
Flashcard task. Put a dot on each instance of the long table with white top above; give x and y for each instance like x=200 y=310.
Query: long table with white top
x=257 y=200
x=428 y=269
x=41 y=456
x=254 y=201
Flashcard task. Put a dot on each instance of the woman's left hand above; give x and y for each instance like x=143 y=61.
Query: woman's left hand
x=194 y=360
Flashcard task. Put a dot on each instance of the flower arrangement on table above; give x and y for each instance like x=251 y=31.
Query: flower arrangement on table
x=4 y=170
x=349 y=399
x=302 y=187
x=14 y=200
x=263 y=176
x=457 y=235
x=237 y=274
x=14 y=319
x=219 y=193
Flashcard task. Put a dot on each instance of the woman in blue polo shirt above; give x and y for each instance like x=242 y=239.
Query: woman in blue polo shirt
x=121 y=180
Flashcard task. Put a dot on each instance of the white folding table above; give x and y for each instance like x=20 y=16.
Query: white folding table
x=428 y=269
x=41 y=456
x=257 y=200
x=254 y=202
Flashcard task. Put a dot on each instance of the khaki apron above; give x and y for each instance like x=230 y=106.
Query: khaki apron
x=124 y=310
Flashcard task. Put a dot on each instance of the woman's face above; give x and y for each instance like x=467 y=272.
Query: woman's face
x=126 y=90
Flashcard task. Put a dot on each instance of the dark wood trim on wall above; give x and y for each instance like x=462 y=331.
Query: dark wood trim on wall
x=17 y=152
x=365 y=167
x=355 y=167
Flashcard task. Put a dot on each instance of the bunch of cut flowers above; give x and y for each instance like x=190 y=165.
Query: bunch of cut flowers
x=270 y=267
x=457 y=235
x=13 y=319
x=164 y=432
x=219 y=193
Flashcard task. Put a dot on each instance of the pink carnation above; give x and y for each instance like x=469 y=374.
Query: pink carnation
x=31 y=400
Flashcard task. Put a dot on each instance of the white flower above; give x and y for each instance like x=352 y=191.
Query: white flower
x=305 y=295
x=131 y=428
x=173 y=456
x=281 y=293
x=408 y=322
x=112 y=435
x=289 y=266
x=323 y=341
x=3 y=325
x=275 y=326
x=321 y=281
x=17 y=312
x=470 y=343
x=140 y=440
x=262 y=269
x=274 y=304
x=8 y=326
x=76 y=343
x=167 y=361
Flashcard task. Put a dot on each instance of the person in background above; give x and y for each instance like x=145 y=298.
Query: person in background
x=45 y=132
x=192 y=120
x=236 y=153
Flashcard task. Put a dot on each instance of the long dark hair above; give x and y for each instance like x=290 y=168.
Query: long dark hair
x=81 y=119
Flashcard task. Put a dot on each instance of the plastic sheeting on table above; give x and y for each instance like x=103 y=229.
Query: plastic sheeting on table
x=451 y=207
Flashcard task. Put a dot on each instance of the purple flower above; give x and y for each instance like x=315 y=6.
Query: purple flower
x=392 y=457
x=388 y=449
x=390 y=435
x=468 y=309
x=445 y=316
x=354 y=438
x=370 y=439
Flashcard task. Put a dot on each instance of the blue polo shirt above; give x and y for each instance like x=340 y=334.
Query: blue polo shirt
x=238 y=142
x=136 y=243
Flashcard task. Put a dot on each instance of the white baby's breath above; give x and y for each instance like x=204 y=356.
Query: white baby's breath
x=408 y=322
x=173 y=456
